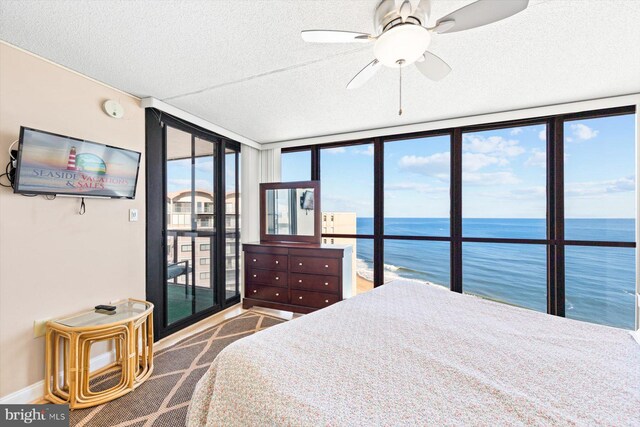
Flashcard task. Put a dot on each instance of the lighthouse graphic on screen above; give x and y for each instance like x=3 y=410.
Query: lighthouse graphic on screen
x=86 y=162
x=71 y=163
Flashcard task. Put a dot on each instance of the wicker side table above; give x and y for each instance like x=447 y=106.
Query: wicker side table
x=68 y=352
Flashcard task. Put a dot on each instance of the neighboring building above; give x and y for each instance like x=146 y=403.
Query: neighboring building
x=198 y=253
x=342 y=223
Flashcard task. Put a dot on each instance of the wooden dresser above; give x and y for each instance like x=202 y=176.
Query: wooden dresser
x=298 y=277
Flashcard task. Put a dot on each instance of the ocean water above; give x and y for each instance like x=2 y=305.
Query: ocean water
x=600 y=281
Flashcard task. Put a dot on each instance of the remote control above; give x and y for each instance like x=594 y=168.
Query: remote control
x=105 y=307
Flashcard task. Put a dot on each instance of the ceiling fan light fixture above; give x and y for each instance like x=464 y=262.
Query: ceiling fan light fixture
x=406 y=43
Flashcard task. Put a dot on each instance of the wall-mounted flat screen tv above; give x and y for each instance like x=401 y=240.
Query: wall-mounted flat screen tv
x=62 y=165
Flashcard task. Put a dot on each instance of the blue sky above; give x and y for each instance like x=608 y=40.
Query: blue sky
x=179 y=174
x=504 y=173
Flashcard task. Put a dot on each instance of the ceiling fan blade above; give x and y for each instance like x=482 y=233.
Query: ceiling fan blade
x=481 y=12
x=433 y=67
x=365 y=74
x=334 y=36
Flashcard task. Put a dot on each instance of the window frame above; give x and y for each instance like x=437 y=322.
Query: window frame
x=156 y=124
x=555 y=215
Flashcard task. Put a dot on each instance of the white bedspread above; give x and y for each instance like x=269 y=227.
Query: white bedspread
x=413 y=354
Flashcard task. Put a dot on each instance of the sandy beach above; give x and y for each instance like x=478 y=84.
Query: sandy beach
x=363 y=285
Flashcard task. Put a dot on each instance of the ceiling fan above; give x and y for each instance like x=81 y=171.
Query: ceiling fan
x=402 y=37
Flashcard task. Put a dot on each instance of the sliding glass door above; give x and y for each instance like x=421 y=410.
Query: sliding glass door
x=194 y=270
x=190 y=246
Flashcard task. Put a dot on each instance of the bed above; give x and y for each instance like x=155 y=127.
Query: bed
x=414 y=354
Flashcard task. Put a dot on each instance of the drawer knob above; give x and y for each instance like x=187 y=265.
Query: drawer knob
x=299 y=280
x=326 y=283
x=299 y=263
x=299 y=297
x=277 y=294
x=277 y=262
x=254 y=260
x=277 y=278
x=326 y=300
x=254 y=291
x=326 y=266
x=255 y=275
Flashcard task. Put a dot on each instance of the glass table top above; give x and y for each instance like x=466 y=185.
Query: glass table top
x=123 y=311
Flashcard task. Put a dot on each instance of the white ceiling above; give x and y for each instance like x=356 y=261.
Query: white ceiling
x=243 y=66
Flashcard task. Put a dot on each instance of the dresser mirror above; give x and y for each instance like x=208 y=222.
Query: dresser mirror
x=290 y=212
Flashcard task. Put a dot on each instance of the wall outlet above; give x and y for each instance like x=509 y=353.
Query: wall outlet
x=39 y=327
x=133 y=215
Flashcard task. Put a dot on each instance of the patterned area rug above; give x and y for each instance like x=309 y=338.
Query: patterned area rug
x=163 y=399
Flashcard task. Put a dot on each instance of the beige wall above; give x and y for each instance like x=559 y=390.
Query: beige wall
x=52 y=260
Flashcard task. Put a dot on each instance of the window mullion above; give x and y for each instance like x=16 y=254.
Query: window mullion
x=378 y=212
x=555 y=216
x=558 y=142
x=456 y=210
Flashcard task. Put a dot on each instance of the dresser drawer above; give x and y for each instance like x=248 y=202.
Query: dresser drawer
x=302 y=264
x=267 y=293
x=255 y=276
x=266 y=261
x=313 y=299
x=314 y=282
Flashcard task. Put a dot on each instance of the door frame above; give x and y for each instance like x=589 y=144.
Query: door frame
x=156 y=215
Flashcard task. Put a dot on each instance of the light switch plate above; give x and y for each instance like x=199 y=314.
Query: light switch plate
x=133 y=215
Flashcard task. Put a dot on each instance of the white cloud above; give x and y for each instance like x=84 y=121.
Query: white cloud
x=412 y=186
x=538 y=159
x=335 y=150
x=526 y=193
x=361 y=206
x=490 y=178
x=583 y=132
x=515 y=131
x=366 y=151
x=204 y=166
x=529 y=193
x=599 y=188
x=437 y=165
x=472 y=162
x=534 y=192
x=493 y=145
x=542 y=135
x=185 y=184
x=434 y=165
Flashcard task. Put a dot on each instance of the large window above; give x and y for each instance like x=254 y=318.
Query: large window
x=504 y=196
x=600 y=179
x=600 y=208
x=296 y=166
x=347 y=198
x=416 y=186
x=537 y=213
x=347 y=205
x=504 y=182
x=515 y=274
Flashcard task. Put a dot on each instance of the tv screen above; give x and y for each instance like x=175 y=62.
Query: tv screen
x=56 y=164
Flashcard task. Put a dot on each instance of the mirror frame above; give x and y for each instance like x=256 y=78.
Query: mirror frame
x=282 y=238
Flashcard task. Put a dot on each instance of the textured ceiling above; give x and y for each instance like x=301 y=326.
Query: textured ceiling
x=243 y=66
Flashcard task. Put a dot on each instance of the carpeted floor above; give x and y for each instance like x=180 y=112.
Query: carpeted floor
x=163 y=399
